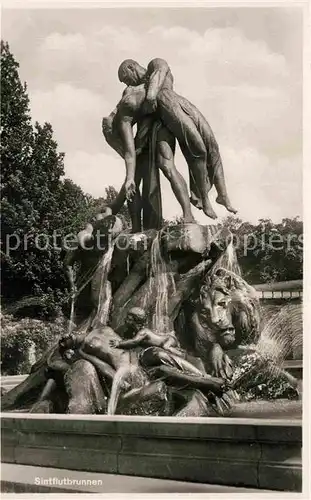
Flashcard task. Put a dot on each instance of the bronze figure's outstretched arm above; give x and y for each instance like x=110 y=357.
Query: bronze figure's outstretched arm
x=131 y=343
x=127 y=138
x=126 y=134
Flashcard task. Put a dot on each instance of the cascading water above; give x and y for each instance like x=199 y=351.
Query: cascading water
x=228 y=260
x=162 y=279
x=281 y=334
x=265 y=359
x=71 y=323
x=105 y=293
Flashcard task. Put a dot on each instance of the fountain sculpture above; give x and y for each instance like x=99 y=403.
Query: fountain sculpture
x=164 y=350
x=156 y=312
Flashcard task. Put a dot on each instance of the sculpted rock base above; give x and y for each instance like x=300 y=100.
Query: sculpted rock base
x=84 y=389
x=174 y=311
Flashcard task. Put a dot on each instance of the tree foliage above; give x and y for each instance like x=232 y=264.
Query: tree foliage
x=267 y=251
x=21 y=336
x=36 y=201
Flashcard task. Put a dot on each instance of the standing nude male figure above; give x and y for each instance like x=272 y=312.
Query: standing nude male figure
x=152 y=134
x=187 y=124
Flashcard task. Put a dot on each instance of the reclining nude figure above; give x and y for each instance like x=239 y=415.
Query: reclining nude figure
x=152 y=91
x=159 y=357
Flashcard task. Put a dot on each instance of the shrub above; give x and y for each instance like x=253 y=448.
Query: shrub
x=23 y=341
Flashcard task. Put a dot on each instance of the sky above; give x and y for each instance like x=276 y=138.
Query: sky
x=242 y=67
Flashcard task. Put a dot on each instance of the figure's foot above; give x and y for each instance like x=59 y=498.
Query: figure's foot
x=196 y=203
x=189 y=219
x=222 y=200
x=209 y=211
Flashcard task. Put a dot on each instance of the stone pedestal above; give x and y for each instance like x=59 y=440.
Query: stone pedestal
x=188 y=237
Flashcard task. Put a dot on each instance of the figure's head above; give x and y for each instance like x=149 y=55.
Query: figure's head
x=131 y=73
x=136 y=319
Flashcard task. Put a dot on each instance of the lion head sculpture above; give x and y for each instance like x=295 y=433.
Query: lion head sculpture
x=227 y=309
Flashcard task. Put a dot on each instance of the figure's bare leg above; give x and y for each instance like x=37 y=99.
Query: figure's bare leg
x=191 y=142
x=214 y=163
x=176 y=377
x=146 y=392
x=220 y=185
x=195 y=156
x=165 y=161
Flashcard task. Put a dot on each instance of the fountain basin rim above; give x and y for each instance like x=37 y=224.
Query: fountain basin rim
x=233 y=452
x=158 y=420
